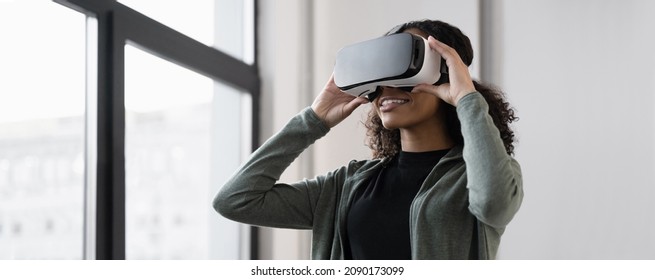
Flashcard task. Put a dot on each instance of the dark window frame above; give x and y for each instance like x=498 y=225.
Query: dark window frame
x=118 y=25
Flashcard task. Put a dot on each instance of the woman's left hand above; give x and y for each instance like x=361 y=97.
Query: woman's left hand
x=460 y=83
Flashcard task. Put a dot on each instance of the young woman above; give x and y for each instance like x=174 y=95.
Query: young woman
x=442 y=183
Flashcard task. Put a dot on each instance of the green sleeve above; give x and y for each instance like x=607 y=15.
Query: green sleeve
x=252 y=195
x=494 y=178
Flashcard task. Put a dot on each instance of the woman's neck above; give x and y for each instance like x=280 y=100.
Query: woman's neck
x=428 y=136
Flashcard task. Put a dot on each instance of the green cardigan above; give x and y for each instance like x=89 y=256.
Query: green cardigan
x=464 y=204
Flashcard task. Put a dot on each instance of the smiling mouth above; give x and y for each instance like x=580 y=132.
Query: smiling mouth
x=389 y=104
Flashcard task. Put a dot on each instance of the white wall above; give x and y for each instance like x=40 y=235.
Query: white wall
x=582 y=76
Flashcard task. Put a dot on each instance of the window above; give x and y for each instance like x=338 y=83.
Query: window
x=227 y=25
x=42 y=131
x=175 y=131
x=178 y=15
x=173 y=118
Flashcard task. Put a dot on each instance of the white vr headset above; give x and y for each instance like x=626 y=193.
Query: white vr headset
x=401 y=60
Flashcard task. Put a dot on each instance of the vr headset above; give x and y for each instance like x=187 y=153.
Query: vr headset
x=401 y=60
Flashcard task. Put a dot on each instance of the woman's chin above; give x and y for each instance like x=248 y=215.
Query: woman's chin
x=391 y=124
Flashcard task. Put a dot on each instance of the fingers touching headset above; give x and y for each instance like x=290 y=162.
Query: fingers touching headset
x=333 y=105
x=460 y=79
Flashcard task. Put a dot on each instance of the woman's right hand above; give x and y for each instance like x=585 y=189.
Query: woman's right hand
x=333 y=105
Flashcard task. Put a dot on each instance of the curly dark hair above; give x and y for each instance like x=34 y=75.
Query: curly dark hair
x=386 y=143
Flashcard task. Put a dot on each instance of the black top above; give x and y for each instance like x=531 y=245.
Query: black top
x=378 y=220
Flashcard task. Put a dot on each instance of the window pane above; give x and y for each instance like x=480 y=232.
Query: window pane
x=174 y=142
x=42 y=101
x=211 y=22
